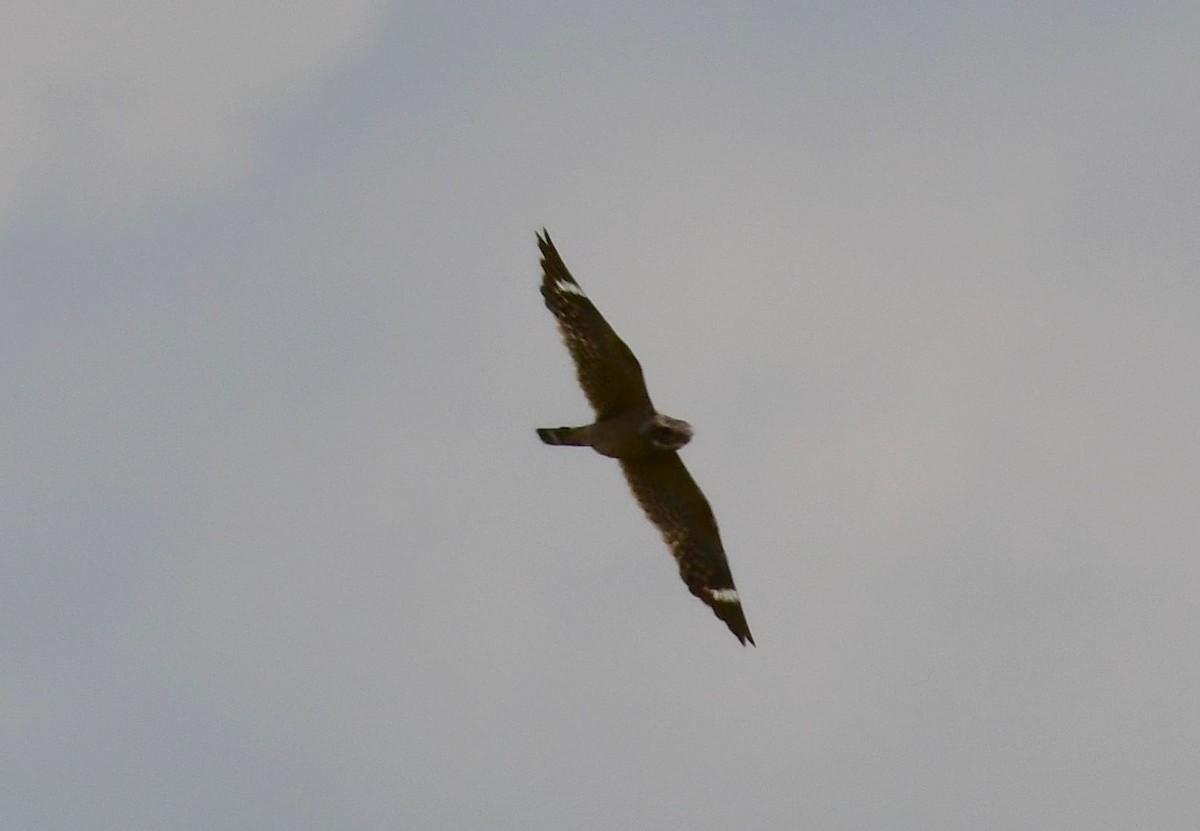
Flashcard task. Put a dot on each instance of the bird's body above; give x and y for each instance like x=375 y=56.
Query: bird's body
x=644 y=441
x=631 y=435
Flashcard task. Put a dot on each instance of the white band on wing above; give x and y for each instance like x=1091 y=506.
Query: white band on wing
x=569 y=287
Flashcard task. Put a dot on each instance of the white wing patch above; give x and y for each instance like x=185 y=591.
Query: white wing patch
x=569 y=287
x=724 y=595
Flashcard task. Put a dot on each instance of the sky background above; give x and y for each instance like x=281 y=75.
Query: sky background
x=282 y=551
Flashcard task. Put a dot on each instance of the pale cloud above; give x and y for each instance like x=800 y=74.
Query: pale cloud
x=109 y=105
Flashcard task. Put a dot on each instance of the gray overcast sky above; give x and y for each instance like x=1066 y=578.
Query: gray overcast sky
x=281 y=550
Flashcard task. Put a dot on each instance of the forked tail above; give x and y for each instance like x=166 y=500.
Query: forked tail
x=564 y=435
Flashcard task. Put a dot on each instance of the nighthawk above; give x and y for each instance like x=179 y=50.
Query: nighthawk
x=644 y=442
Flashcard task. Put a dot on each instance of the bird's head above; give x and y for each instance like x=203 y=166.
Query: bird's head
x=667 y=433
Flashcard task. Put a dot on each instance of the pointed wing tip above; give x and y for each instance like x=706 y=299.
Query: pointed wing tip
x=742 y=633
x=728 y=607
x=551 y=261
x=732 y=616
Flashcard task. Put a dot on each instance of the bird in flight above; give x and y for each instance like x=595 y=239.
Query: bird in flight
x=644 y=442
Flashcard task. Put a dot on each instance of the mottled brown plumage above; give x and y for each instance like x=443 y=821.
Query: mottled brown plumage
x=607 y=369
x=645 y=442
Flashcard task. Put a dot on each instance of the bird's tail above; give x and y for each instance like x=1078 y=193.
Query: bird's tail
x=564 y=435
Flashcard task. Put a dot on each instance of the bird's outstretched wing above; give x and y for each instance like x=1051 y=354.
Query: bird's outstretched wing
x=673 y=501
x=609 y=373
